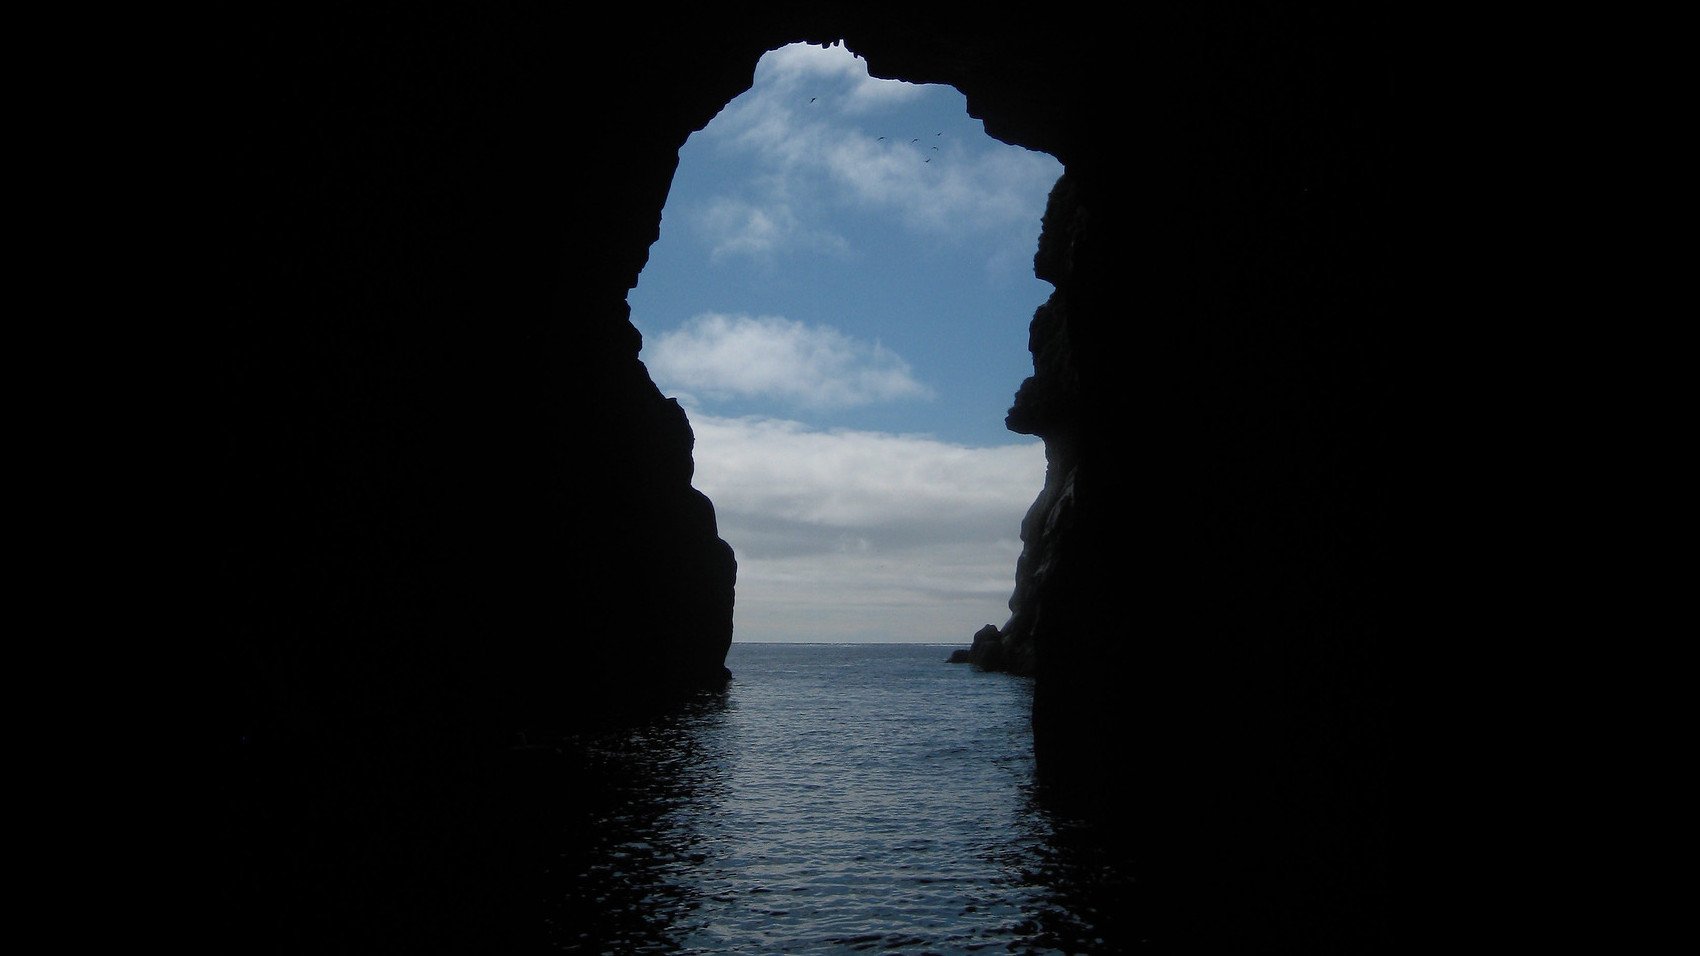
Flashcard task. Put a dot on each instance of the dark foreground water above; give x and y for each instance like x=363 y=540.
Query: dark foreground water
x=837 y=798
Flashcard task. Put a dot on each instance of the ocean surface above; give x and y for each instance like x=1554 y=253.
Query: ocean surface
x=836 y=798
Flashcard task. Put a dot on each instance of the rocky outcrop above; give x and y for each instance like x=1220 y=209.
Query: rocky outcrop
x=987 y=649
x=987 y=652
x=448 y=504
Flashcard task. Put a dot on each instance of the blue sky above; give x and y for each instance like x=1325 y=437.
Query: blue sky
x=840 y=298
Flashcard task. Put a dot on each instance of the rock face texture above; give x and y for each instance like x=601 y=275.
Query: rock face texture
x=451 y=505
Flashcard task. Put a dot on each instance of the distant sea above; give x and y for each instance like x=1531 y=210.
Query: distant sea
x=836 y=798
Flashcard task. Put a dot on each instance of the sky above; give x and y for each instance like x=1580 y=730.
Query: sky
x=840 y=298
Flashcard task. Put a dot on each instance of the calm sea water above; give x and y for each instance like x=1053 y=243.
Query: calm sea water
x=837 y=798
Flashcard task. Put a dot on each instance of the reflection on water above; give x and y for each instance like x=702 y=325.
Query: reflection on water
x=627 y=875
x=835 y=798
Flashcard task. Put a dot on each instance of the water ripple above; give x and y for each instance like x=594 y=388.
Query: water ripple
x=834 y=799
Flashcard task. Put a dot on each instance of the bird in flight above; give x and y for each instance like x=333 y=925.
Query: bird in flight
x=877 y=140
x=812 y=99
x=916 y=140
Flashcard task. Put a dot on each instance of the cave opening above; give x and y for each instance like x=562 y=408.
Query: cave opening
x=839 y=298
x=451 y=501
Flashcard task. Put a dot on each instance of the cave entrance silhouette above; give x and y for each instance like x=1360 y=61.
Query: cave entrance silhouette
x=436 y=445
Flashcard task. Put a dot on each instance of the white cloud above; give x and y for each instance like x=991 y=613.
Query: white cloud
x=857 y=479
x=742 y=228
x=979 y=194
x=735 y=227
x=810 y=160
x=809 y=366
x=857 y=536
x=789 y=67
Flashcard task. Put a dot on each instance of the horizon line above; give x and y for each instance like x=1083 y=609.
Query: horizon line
x=863 y=643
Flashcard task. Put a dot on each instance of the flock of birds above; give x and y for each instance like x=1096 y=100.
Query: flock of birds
x=878 y=138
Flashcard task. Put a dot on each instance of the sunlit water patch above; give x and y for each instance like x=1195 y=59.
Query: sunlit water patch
x=837 y=798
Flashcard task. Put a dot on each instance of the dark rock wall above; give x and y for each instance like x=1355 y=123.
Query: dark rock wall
x=1203 y=584
x=448 y=480
x=1048 y=405
x=449 y=502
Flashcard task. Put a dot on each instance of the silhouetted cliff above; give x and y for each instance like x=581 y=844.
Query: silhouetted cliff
x=450 y=505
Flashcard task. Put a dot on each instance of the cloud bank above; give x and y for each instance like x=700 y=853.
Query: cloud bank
x=865 y=536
